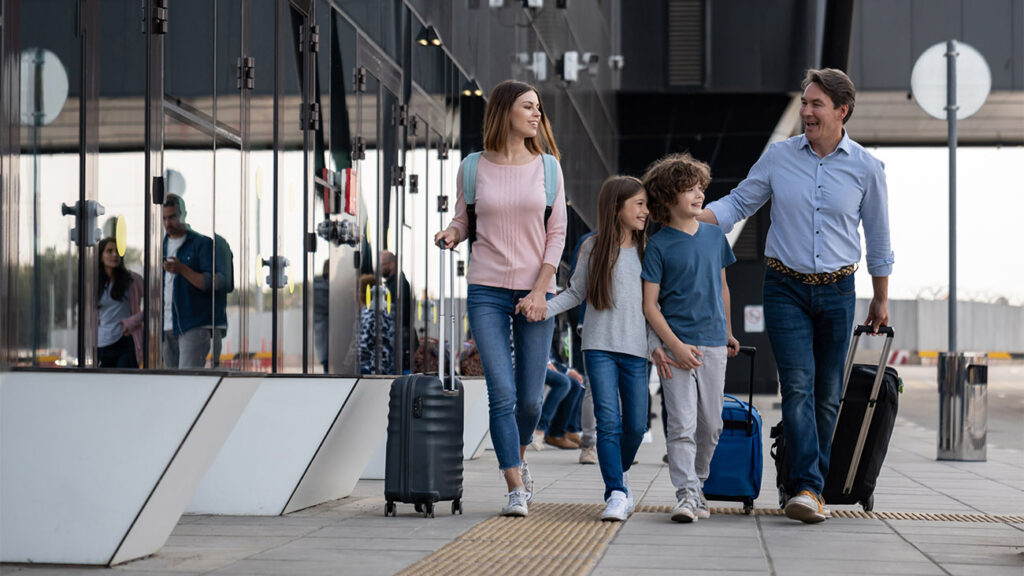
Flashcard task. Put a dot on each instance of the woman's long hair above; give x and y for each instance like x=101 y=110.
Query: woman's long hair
x=122 y=278
x=615 y=191
x=496 y=120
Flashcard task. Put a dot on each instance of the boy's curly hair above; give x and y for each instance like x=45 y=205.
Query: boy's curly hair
x=666 y=178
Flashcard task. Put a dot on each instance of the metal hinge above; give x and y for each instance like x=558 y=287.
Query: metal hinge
x=414 y=184
x=359 y=79
x=159 y=16
x=442 y=204
x=245 y=73
x=414 y=126
x=309 y=117
x=402 y=114
x=314 y=39
x=397 y=175
x=310 y=242
x=442 y=150
x=358 y=148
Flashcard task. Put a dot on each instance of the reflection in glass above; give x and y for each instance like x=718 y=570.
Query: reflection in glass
x=46 y=329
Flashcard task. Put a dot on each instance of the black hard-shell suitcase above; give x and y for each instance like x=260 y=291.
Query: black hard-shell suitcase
x=425 y=426
x=867 y=415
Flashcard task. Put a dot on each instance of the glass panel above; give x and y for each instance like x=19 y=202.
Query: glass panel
x=390 y=235
x=230 y=313
x=260 y=208
x=372 y=360
x=290 y=189
x=190 y=313
x=323 y=167
x=48 y=260
x=343 y=120
x=416 y=239
x=121 y=185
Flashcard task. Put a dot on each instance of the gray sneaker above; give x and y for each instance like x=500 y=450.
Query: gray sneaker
x=524 y=471
x=702 y=506
x=686 y=509
x=516 y=504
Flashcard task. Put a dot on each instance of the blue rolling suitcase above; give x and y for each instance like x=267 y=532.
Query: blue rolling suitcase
x=425 y=426
x=735 y=473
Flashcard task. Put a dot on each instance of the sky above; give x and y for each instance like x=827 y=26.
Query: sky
x=990 y=223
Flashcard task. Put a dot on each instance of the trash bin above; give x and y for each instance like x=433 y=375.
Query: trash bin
x=963 y=406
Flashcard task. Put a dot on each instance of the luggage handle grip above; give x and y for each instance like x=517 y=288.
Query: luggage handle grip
x=868 y=329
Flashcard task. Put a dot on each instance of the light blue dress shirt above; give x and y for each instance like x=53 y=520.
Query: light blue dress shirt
x=817 y=205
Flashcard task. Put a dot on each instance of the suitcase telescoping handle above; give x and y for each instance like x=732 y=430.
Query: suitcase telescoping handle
x=752 y=352
x=869 y=413
x=447 y=383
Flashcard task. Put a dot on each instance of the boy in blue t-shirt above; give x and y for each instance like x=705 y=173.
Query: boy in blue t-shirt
x=686 y=301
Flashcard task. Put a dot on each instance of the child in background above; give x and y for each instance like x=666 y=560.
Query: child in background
x=686 y=301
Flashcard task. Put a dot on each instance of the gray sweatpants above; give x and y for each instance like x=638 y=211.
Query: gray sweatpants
x=693 y=405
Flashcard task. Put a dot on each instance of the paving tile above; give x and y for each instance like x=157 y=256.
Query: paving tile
x=794 y=566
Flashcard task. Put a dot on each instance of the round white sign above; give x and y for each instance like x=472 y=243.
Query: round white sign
x=928 y=80
x=44 y=86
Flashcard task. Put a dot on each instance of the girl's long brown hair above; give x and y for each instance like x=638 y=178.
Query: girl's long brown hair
x=496 y=120
x=615 y=191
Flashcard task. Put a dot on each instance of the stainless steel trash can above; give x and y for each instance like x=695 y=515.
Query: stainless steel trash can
x=963 y=406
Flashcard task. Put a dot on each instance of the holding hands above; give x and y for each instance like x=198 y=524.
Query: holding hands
x=534 y=306
x=687 y=355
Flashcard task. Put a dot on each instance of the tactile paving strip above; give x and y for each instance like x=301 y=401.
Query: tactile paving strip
x=555 y=539
x=933 y=517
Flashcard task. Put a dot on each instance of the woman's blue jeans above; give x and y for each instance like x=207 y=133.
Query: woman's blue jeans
x=809 y=328
x=560 y=388
x=614 y=376
x=514 y=392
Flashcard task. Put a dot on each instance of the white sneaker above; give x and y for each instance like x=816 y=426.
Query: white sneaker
x=685 y=510
x=516 y=504
x=524 y=471
x=648 y=438
x=538 y=440
x=617 y=508
x=629 y=492
x=806 y=508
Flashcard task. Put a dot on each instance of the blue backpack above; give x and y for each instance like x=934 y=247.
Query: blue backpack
x=469 y=188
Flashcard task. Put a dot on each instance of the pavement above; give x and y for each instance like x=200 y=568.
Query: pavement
x=352 y=536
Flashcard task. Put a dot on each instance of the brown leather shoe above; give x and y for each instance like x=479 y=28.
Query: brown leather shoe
x=561 y=442
x=574 y=437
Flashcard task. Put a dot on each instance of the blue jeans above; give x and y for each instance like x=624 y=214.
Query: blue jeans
x=514 y=393
x=560 y=388
x=809 y=328
x=567 y=417
x=613 y=376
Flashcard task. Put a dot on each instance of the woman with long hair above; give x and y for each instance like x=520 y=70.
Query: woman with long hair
x=516 y=228
x=119 y=326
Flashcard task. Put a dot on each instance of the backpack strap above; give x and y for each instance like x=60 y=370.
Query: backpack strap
x=550 y=185
x=469 y=165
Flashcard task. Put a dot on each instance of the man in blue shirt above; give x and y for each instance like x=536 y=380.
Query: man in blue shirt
x=822 y=186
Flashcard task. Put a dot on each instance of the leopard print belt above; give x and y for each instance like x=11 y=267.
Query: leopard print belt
x=818 y=279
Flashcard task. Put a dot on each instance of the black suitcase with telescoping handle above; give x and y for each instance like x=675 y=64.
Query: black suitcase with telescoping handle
x=860 y=440
x=425 y=426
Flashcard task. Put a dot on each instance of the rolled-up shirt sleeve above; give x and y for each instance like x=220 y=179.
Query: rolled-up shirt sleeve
x=555 y=235
x=746 y=198
x=874 y=213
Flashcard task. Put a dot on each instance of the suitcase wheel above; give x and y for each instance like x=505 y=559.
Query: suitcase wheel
x=868 y=503
x=457 y=506
x=419 y=508
x=428 y=510
x=390 y=509
x=748 y=506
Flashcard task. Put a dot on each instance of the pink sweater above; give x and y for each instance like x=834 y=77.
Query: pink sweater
x=511 y=241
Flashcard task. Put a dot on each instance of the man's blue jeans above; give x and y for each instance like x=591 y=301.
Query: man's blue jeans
x=560 y=388
x=567 y=417
x=809 y=328
x=514 y=392
x=613 y=375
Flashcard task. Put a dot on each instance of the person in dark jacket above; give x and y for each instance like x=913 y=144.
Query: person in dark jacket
x=188 y=281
